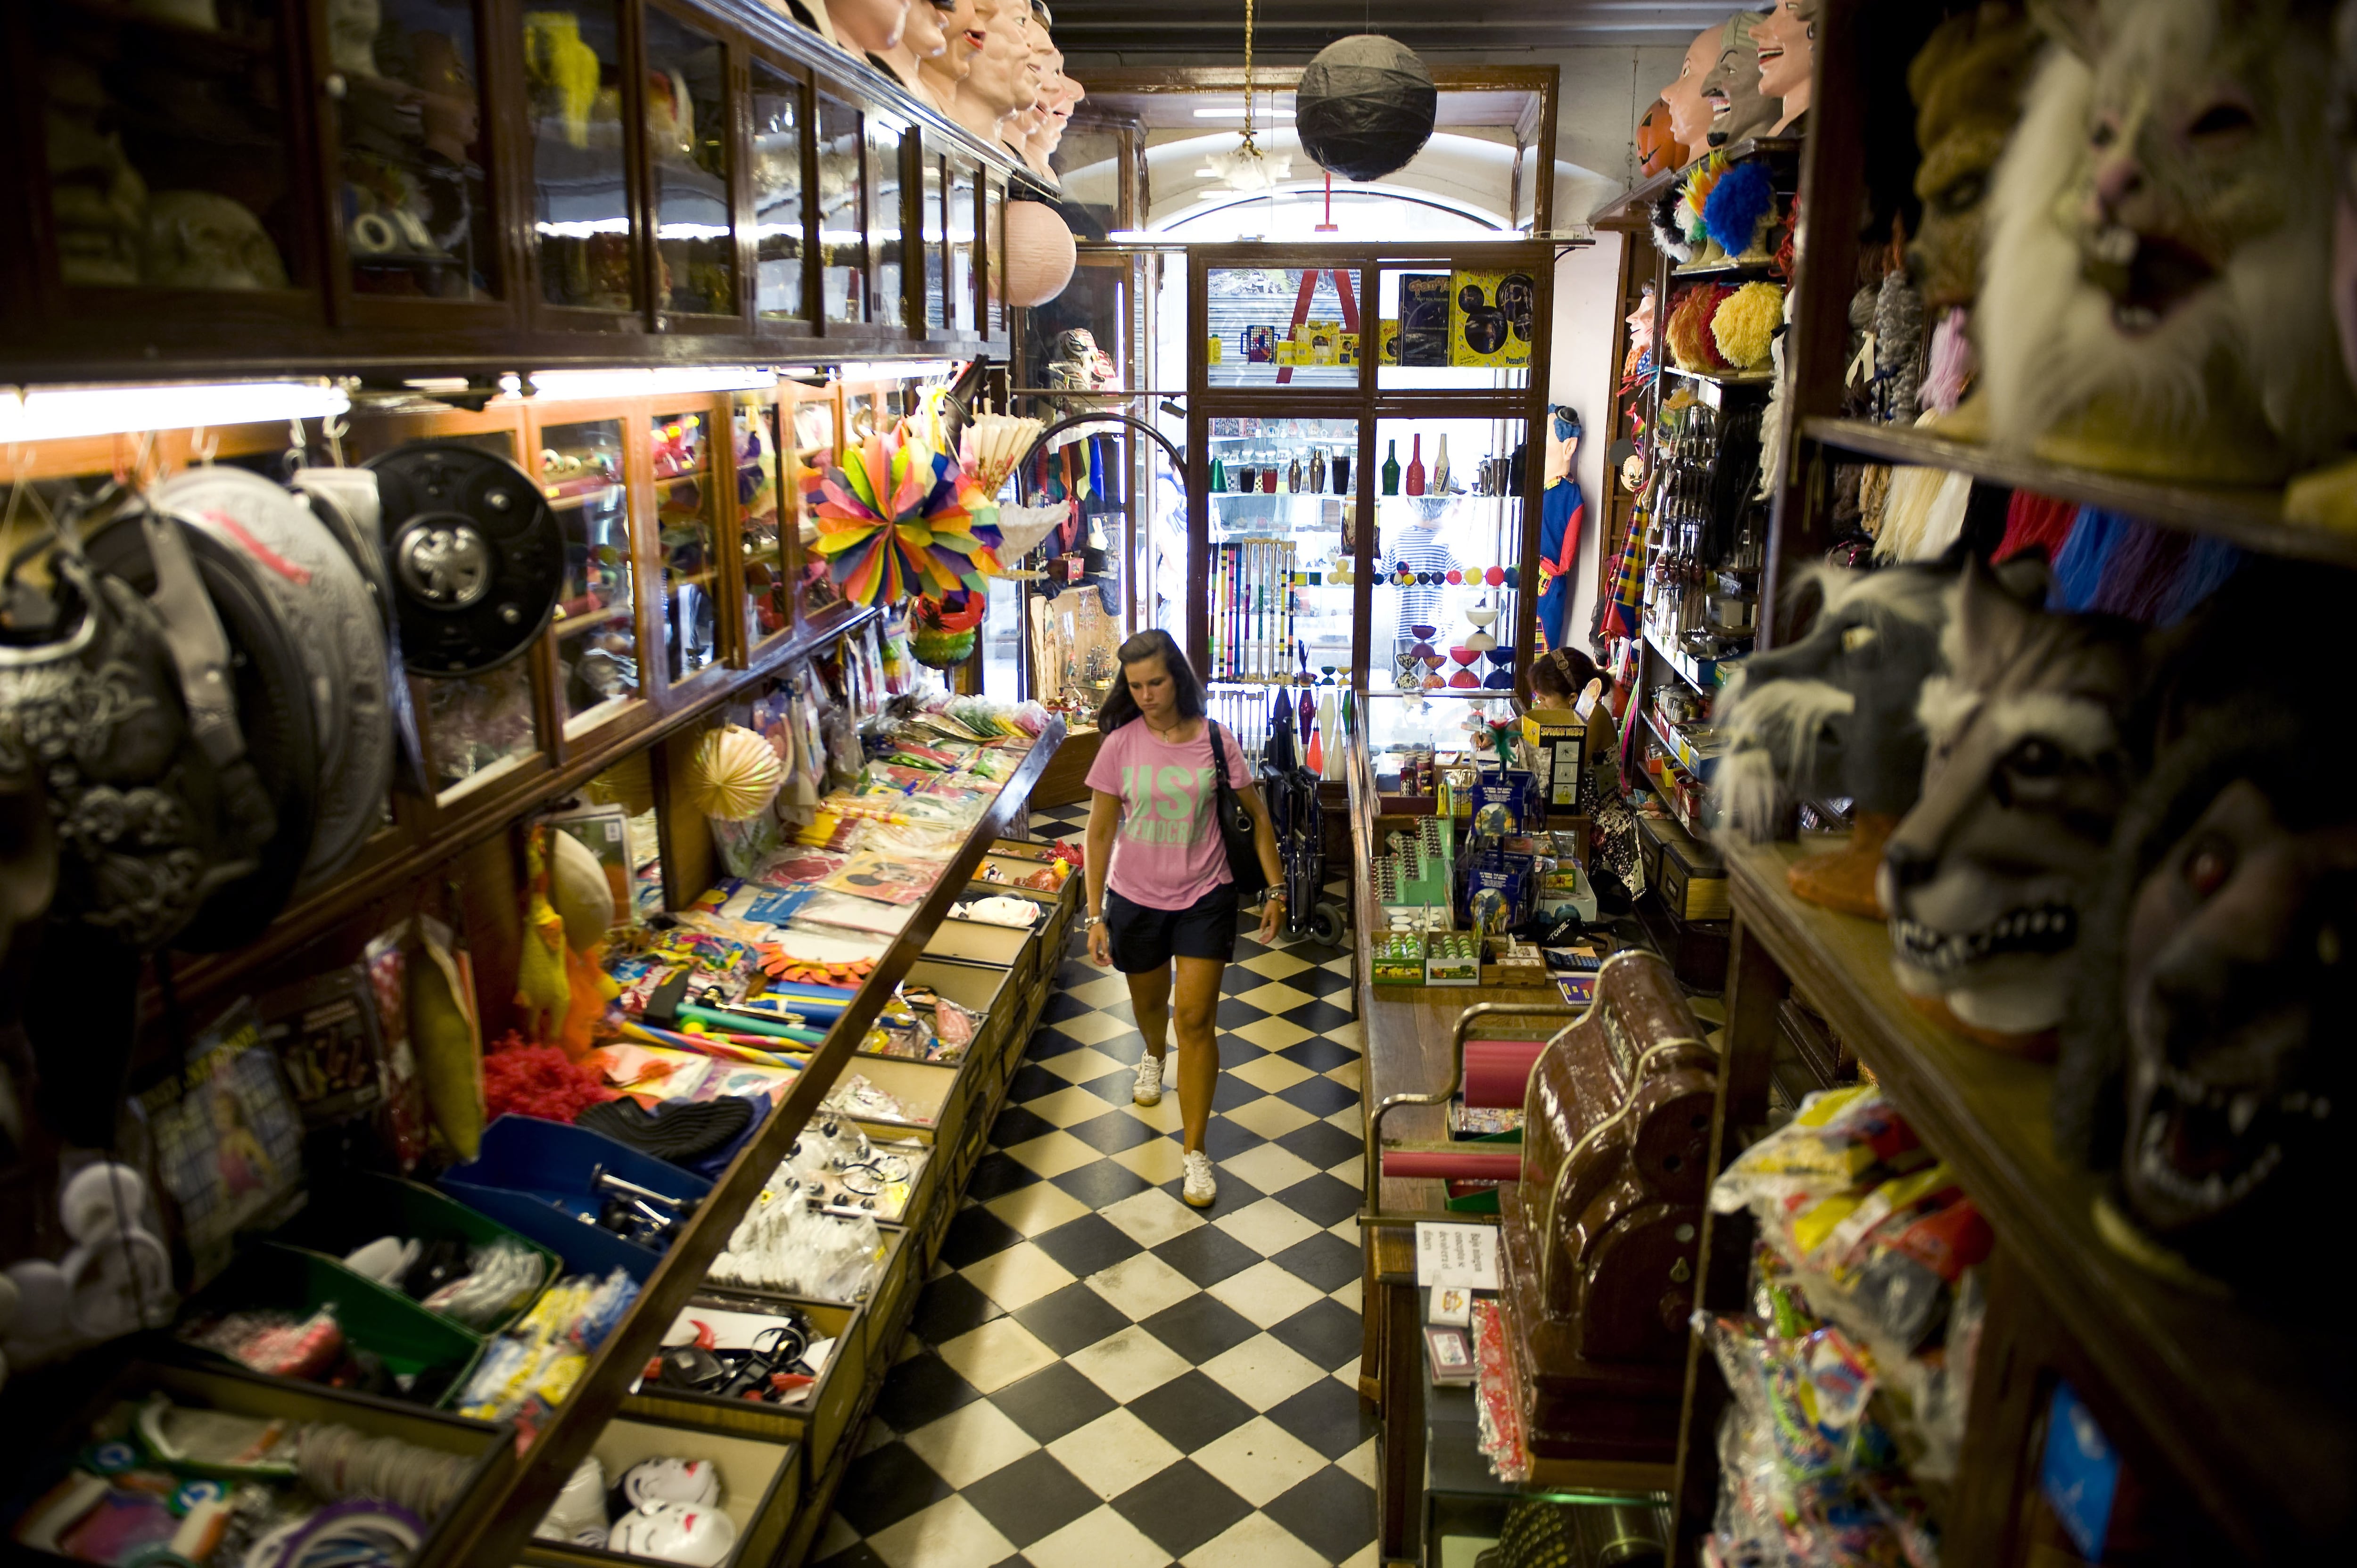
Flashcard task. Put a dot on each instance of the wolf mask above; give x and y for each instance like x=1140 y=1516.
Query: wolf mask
x=2159 y=242
x=1834 y=713
x=1983 y=878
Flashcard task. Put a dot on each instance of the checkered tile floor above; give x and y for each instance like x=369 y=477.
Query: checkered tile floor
x=1098 y=1375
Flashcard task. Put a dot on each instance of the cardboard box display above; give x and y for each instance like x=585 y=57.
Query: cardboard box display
x=1491 y=316
x=1426 y=328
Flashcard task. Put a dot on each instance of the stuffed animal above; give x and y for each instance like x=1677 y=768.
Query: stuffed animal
x=2158 y=237
x=1986 y=876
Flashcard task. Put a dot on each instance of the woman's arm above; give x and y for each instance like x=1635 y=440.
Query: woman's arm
x=1104 y=816
x=1271 y=909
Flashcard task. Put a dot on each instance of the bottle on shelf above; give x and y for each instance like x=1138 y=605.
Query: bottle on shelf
x=1342 y=472
x=1293 y=475
x=1416 y=467
x=1317 y=470
x=1218 y=480
x=1392 y=470
x=1440 y=467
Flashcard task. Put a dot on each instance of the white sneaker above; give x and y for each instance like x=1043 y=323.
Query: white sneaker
x=1199 y=1189
x=1149 y=1081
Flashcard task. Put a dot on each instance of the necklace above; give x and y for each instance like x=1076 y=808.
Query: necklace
x=1169 y=736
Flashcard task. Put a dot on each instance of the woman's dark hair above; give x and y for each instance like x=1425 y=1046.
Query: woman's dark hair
x=1567 y=671
x=1120 y=707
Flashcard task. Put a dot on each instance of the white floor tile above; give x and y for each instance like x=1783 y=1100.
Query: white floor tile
x=951 y=1531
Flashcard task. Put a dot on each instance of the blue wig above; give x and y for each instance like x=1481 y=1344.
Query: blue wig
x=1732 y=211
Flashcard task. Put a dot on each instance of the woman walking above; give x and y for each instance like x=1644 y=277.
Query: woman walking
x=1162 y=903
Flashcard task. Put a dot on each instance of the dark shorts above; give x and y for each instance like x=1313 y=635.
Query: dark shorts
x=1144 y=939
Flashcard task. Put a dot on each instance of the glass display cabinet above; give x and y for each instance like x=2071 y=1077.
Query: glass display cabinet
x=596 y=638
x=1367 y=506
x=260 y=183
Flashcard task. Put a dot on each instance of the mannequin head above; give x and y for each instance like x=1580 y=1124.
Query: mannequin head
x=1689 y=115
x=867 y=27
x=1003 y=79
x=1732 y=86
x=921 y=38
x=942 y=73
x=1787 y=37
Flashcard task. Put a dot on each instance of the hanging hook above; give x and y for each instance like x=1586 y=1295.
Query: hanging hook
x=299 y=446
x=335 y=428
x=203 y=443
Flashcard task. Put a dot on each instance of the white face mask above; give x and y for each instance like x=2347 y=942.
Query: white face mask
x=675 y=1532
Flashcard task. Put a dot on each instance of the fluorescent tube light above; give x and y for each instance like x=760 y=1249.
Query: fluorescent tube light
x=664 y=382
x=893 y=370
x=1238 y=114
x=55 y=413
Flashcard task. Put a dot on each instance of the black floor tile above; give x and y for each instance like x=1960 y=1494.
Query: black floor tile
x=1124 y=1010
x=1191 y=1412
x=1332 y=1512
x=1089 y=1243
x=1200 y=1329
x=950 y=1307
x=1235 y=1093
x=1326 y=1199
x=1328 y=1416
x=1319 y=1015
x=1073 y=1318
x=921 y=1389
x=1102 y=1183
x=1032 y=1081
x=1063 y=1005
x=1119 y=1087
x=1325 y=1332
x=1322 y=1143
x=1045 y=1043
x=1181 y=1506
x=1325 y=1261
x=1207 y=1255
x=1032 y=1498
x=1075 y=972
x=1114 y=1132
x=858 y=1555
x=1236 y=1015
x=1223 y=1139
x=1320 y=1096
x=882 y=1488
x=1054 y=1401
x=1319 y=1054
x=995 y=1174
x=1016 y=1125
x=975 y=1234
x=1323 y=983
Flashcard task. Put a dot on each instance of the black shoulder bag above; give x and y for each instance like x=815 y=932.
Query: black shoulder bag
x=1238 y=832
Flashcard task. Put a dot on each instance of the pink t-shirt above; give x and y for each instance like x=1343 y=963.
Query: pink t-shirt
x=1167 y=853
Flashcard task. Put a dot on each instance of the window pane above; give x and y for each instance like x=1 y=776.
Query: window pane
x=597 y=634
x=581 y=209
x=416 y=199
x=842 y=218
x=884 y=222
x=778 y=216
x=687 y=145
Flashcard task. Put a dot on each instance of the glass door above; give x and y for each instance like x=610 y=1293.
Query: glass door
x=689 y=135
x=1283 y=515
x=780 y=218
x=596 y=631
x=761 y=507
x=580 y=162
x=680 y=459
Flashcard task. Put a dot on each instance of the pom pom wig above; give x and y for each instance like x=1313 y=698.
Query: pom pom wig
x=1691 y=347
x=1744 y=325
x=1737 y=206
x=1669 y=228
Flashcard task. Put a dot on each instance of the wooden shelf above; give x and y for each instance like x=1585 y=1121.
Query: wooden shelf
x=2254 y=1415
x=1730 y=267
x=504 y=1527
x=1635 y=211
x=2251 y=518
x=1723 y=378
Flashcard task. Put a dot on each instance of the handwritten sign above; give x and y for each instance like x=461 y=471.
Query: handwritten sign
x=1456 y=1255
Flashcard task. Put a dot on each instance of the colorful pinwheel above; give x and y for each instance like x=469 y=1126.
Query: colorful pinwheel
x=898 y=519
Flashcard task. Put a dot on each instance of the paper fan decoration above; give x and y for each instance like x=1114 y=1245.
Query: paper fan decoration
x=898 y=519
x=734 y=775
x=994 y=443
x=1021 y=528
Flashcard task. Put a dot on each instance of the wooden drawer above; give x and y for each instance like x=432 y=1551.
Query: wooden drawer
x=760 y=1483
x=819 y=1424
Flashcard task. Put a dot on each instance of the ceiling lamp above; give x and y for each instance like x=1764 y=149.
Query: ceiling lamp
x=1365 y=106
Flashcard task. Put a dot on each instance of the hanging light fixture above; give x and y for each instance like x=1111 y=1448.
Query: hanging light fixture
x=1246 y=167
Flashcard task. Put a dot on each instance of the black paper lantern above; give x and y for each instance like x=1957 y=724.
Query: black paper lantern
x=1364 y=107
